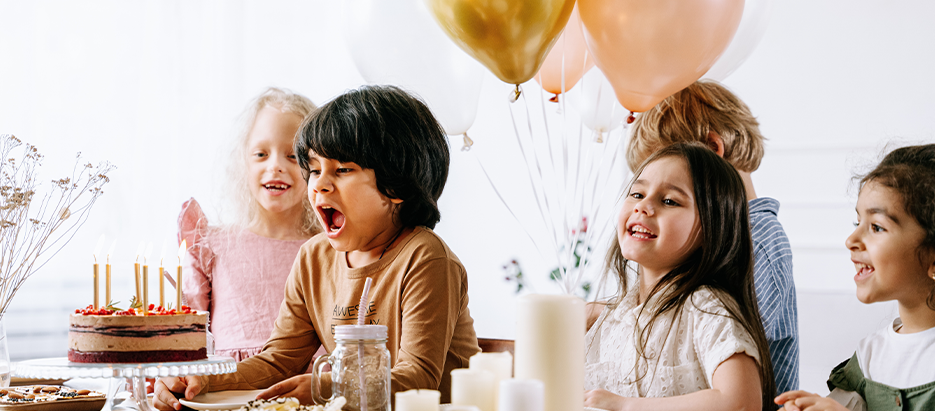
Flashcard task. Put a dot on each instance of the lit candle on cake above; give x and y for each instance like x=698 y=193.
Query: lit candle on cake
x=550 y=347
x=136 y=273
x=178 y=279
x=97 y=268
x=418 y=400
x=162 y=277
x=149 y=249
x=110 y=252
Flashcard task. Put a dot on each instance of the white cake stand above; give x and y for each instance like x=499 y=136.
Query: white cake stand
x=61 y=368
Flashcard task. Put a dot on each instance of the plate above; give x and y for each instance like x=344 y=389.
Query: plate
x=221 y=400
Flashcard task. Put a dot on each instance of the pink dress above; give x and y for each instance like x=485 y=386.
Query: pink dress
x=238 y=276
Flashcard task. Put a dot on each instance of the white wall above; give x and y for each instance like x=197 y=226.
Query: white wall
x=154 y=87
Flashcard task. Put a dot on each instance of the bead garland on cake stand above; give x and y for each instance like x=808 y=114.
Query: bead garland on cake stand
x=61 y=368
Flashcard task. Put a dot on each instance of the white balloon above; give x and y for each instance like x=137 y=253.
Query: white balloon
x=398 y=42
x=594 y=100
x=749 y=33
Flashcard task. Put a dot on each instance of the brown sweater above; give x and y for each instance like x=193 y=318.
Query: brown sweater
x=419 y=292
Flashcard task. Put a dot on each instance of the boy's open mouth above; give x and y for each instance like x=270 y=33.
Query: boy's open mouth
x=332 y=218
x=863 y=270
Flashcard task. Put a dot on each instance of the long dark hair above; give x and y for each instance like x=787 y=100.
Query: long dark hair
x=723 y=263
x=910 y=171
x=385 y=129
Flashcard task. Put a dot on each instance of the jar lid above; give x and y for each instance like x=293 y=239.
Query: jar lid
x=360 y=332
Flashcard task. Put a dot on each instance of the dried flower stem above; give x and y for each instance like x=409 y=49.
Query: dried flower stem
x=31 y=233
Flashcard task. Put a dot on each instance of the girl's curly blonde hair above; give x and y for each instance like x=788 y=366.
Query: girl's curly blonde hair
x=242 y=200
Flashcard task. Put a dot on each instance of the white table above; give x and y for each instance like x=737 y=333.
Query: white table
x=60 y=367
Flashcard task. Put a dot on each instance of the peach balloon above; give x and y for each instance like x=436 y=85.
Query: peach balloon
x=510 y=37
x=650 y=50
x=569 y=51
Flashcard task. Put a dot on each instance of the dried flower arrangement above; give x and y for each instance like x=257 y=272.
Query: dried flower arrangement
x=34 y=228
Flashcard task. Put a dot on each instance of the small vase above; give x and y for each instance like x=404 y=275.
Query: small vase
x=4 y=358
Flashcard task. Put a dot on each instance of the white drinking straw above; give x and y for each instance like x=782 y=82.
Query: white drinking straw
x=361 y=319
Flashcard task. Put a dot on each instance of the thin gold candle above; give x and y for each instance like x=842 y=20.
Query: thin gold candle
x=97 y=273
x=149 y=248
x=96 y=291
x=178 y=279
x=162 y=286
x=107 y=300
x=136 y=272
x=162 y=277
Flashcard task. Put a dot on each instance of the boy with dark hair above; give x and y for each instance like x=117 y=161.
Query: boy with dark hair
x=709 y=113
x=376 y=161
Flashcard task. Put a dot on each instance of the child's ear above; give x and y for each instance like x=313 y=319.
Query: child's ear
x=396 y=200
x=716 y=143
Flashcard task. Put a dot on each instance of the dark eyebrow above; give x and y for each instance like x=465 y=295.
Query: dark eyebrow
x=666 y=186
x=883 y=212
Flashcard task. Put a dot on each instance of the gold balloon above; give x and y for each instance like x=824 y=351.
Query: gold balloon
x=510 y=37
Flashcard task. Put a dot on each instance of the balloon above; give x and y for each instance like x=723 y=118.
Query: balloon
x=752 y=26
x=510 y=37
x=569 y=52
x=649 y=50
x=397 y=42
x=595 y=102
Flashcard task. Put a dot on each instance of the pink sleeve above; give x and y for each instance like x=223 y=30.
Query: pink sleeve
x=199 y=263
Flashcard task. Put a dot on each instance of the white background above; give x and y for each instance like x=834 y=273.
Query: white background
x=154 y=87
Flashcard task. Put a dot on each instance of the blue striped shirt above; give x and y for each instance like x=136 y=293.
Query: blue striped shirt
x=775 y=291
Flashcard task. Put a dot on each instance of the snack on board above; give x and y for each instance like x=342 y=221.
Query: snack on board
x=291 y=404
x=109 y=335
x=40 y=397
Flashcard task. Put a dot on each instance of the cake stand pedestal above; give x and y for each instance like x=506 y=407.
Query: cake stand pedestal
x=60 y=367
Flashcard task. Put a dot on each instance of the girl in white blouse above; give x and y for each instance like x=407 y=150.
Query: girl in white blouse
x=684 y=331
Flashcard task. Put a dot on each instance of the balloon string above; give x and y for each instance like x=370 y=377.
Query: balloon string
x=530 y=177
x=598 y=202
x=549 y=223
x=507 y=205
x=559 y=197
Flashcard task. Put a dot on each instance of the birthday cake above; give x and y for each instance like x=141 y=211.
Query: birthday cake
x=128 y=336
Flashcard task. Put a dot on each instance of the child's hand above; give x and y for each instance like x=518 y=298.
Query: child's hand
x=806 y=401
x=299 y=387
x=604 y=400
x=165 y=400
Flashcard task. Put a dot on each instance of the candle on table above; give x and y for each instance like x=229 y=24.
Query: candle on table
x=149 y=249
x=97 y=275
x=521 y=395
x=110 y=252
x=473 y=387
x=136 y=273
x=162 y=277
x=418 y=400
x=500 y=364
x=178 y=279
x=550 y=347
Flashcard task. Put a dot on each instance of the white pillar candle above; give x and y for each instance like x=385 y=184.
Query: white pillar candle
x=521 y=395
x=550 y=347
x=500 y=364
x=418 y=400
x=473 y=387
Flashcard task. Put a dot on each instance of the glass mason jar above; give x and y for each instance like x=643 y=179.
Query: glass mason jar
x=360 y=359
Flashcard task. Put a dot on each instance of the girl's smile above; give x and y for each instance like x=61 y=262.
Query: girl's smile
x=885 y=249
x=275 y=176
x=659 y=220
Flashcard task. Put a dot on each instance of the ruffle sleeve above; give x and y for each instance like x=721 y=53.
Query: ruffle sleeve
x=717 y=336
x=198 y=266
